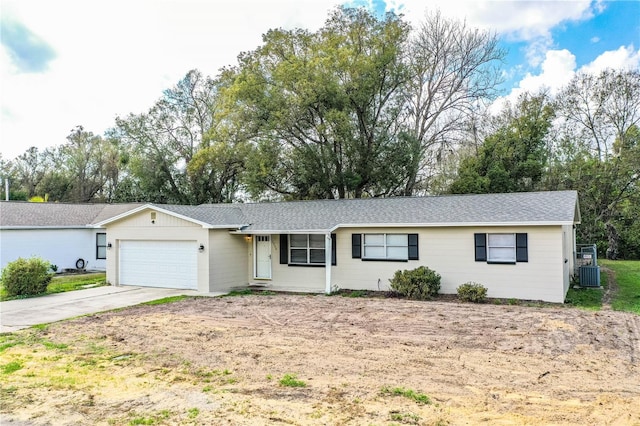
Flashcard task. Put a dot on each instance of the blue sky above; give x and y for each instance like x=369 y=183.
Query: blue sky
x=78 y=62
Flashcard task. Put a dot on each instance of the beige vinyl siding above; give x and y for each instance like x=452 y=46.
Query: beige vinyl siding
x=568 y=255
x=450 y=252
x=288 y=278
x=165 y=228
x=227 y=256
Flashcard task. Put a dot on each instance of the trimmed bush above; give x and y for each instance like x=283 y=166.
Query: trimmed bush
x=472 y=292
x=421 y=283
x=26 y=277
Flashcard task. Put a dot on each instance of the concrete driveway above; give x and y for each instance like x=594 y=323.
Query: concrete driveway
x=24 y=313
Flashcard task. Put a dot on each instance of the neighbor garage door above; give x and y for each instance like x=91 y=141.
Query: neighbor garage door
x=170 y=264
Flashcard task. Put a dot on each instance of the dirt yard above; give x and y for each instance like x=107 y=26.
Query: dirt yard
x=364 y=361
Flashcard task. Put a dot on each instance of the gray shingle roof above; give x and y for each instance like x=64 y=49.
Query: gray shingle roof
x=450 y=210
x=212 y=214
x=557 y=207
x=20 y=214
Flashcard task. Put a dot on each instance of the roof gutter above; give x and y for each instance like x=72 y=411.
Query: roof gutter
x=399 y=225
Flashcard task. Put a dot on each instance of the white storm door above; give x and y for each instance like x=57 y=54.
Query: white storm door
x=263 y=256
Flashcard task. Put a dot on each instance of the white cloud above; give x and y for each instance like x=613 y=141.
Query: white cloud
x=625 y=57
x=520 y=20
x=116 y=57
x=559 y=67
x=557 y=70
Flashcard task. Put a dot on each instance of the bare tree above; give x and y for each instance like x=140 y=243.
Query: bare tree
x=599 y=109
x=453 y=68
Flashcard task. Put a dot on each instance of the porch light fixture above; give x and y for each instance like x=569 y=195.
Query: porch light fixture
x=247 y=238
x=201 y=248
x=109 y=246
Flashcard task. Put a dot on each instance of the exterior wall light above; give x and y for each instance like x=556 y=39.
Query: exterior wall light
x=201 y=248
x=247 y=237
x=109 y=245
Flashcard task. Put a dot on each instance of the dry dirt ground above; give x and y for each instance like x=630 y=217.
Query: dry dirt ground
x=220 y=361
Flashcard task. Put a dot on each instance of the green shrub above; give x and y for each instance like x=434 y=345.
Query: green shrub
x=421 y=283
x=472 y=292
x=26 y=277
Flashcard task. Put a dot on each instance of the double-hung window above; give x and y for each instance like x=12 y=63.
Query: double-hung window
x=398 y=247
x=101 y=246
x=501 y=248
x=386 y=246
x=306 y=249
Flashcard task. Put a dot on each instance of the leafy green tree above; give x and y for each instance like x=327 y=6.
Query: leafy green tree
x=325 y=106
x=83 y=169
x=28 y=170
x=598 y=153
x=177 y=152
x=514 y=157
x=8 y=176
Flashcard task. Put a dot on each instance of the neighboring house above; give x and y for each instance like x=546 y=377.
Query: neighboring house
x=519 y=245
x=62 y=234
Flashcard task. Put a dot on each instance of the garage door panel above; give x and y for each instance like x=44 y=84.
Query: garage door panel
x=171 y=264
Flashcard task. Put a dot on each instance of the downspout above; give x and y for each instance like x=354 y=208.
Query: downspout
x=327 y=262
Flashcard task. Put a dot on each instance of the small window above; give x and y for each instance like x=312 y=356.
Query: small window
x=386 y=246
x=101 y=246
x=501 y=248
x=306 y=249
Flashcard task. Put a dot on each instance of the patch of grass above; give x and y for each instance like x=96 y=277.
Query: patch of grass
x=142 y=421
x=627 y=298
x=250 y=292
x=11 y=367
x=291 y=380
x=64 y=283
x=193 y=413
x=41 y=327
x=244 y=292
x=587 y=298
x=9 y=340
x=407 y=418
x=165 y=300
x=355 y=293
x=50 y=345
x=420 y=398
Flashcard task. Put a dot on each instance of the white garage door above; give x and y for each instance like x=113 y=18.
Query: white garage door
x=170 y=264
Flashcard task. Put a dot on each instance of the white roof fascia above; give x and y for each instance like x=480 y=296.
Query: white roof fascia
x=280 y=231
x=399 y=225
x=448 y=224
x=160 y=209
x=122 y=215
x=50 y=227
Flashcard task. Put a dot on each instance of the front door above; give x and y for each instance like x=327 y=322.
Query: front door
x=263 y=256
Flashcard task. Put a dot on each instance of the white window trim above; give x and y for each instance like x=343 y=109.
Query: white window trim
x=496 y=246
x=308 y=248
x=385 y=245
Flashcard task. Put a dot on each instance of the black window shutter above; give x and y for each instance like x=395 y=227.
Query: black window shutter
x=333 y=249
x=356 y=246
x=481 y=247
x=284 y=249
x=413 y=246
x=522 y=252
